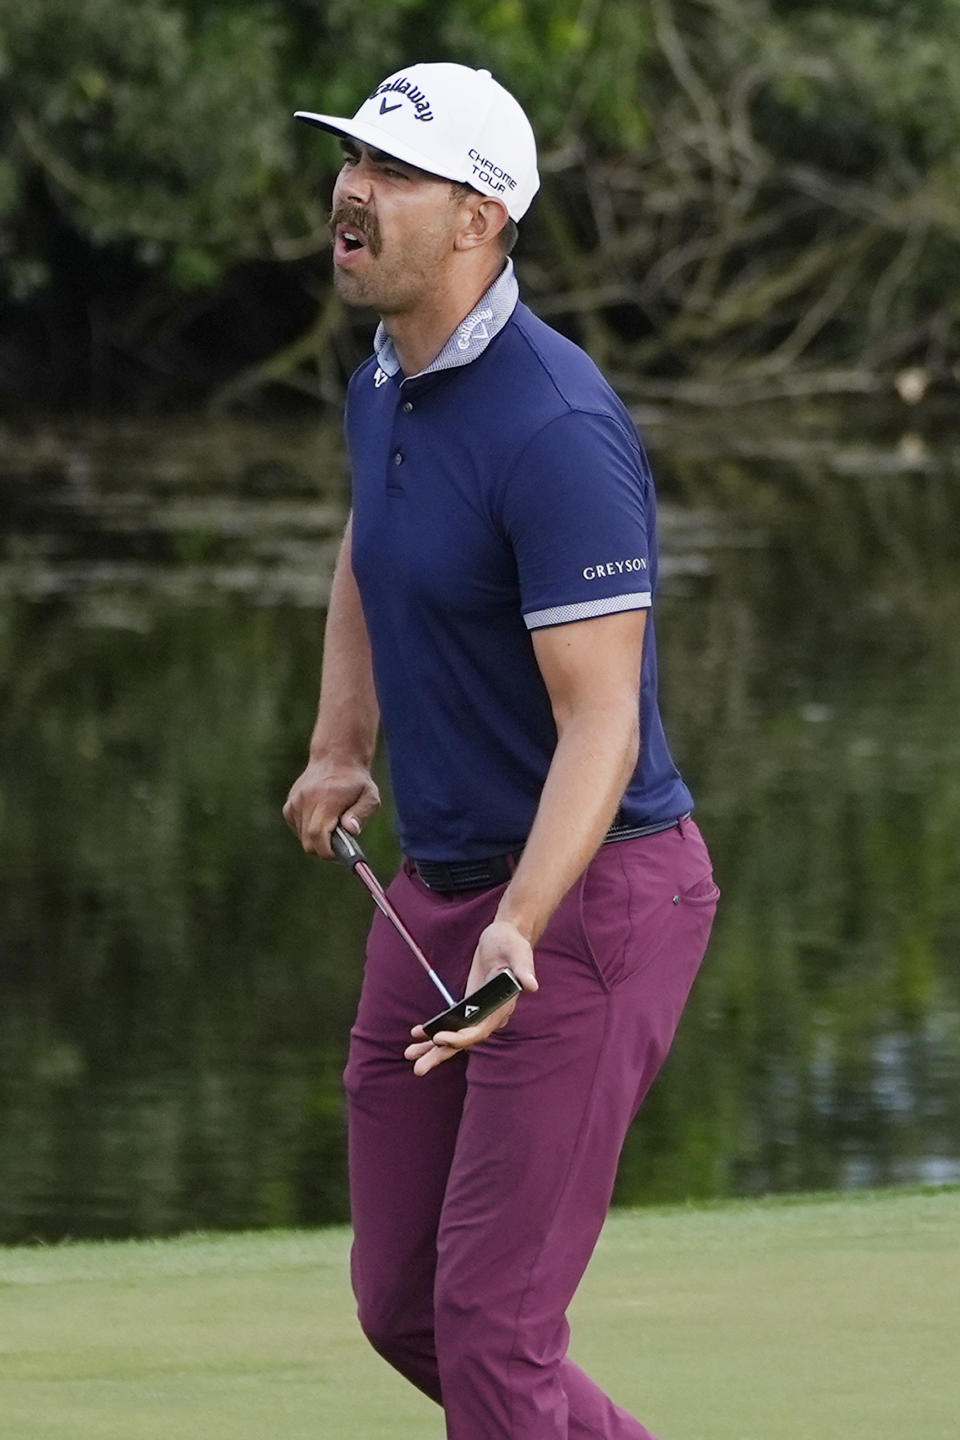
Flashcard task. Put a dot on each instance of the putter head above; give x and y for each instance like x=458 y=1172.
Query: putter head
x=478 y=1005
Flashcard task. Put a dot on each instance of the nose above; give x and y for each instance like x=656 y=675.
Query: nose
x=354 y=183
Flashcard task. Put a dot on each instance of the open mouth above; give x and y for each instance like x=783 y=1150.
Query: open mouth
x=350 y=240
x=353 y=230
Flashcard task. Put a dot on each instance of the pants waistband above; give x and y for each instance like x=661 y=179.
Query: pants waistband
x=452 y=876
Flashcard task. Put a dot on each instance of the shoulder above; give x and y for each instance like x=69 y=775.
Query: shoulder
x=568 y=368
x=566 y=401
x=547 y=376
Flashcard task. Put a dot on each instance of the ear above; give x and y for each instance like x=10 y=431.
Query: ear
x=483 y=221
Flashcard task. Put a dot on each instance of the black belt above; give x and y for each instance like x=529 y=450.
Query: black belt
x=451 y=876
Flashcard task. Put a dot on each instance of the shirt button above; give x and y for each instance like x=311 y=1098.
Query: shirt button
x=407 y=406
x=397 y=458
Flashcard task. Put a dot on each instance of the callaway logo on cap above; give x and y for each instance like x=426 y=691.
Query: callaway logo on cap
x=452 y=121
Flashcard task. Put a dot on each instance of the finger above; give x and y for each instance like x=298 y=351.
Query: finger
x=436 y=1055
x=418 y=1048
x=463 y=1039
x=315 y=833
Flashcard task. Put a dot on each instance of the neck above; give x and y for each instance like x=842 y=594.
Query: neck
x=419 y=335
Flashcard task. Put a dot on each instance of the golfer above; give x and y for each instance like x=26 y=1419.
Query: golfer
x=492 y=606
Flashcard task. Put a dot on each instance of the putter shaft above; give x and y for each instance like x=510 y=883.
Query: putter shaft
x=347 y=850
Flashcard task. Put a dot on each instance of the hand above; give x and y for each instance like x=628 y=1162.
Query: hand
x=500 y=944
x=327 y=792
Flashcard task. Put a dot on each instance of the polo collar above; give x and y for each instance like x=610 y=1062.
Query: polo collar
x=472 y=335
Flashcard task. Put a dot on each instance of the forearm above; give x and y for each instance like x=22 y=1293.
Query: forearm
x=348 y=715
x=337 y=784
x=595 y=756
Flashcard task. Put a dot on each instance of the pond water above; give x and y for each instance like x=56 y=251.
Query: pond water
x=177 y=979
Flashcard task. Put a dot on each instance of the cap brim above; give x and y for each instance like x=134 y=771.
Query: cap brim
x=373 y=136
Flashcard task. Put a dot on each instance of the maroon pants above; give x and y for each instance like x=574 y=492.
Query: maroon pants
x=478 y=1191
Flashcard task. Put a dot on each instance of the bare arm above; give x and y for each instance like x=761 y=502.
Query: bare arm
x=337 y=783
x=591 y=669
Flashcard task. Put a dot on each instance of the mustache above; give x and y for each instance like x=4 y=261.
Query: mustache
x=355 y=217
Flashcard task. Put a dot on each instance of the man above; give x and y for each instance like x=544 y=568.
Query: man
x=491 y=603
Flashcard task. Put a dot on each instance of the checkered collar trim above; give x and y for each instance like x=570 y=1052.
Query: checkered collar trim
x=472 y=335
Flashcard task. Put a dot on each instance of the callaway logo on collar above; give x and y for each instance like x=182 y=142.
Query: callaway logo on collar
x=471 y=337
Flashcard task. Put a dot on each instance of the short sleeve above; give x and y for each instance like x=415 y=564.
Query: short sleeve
x=576 y=509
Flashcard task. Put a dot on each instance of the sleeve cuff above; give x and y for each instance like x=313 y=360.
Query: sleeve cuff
x=587 y=609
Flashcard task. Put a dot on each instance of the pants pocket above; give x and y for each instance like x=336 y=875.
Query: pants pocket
x=637 y=903
x=704 y=891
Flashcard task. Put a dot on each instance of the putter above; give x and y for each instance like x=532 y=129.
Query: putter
x=459 y=1013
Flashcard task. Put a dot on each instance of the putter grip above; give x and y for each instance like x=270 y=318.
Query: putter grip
x=346 y=848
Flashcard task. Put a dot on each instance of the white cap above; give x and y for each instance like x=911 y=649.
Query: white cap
x=451 y=121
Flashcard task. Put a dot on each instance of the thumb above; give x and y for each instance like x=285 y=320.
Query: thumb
x=522 y=967
x=356 y=815
x=527 y=978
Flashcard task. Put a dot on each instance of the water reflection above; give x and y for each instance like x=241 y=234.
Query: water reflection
x=177 y=979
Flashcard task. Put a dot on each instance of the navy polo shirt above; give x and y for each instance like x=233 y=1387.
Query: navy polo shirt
x=489 y=499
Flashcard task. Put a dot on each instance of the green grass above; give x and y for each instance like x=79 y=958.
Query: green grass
x=834 y=1317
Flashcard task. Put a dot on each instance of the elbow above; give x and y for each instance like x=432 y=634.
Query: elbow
x=631 y=746
x=633 y=740
x=624 y=736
